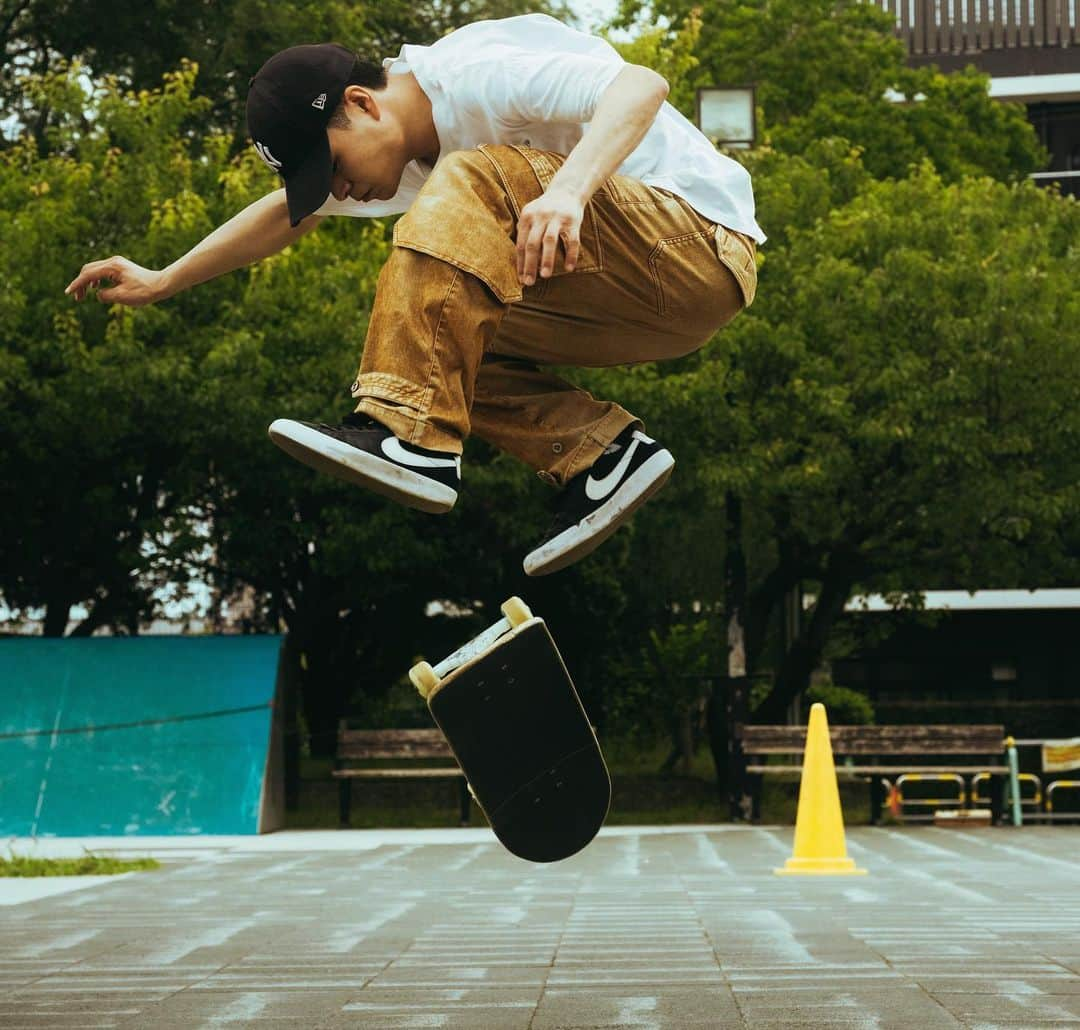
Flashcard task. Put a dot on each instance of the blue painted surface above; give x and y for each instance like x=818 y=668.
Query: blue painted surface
x=174 y=774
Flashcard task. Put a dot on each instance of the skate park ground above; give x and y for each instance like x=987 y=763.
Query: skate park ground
x=648 y=927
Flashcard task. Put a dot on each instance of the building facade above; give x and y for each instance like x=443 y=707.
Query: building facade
x=1029 y=48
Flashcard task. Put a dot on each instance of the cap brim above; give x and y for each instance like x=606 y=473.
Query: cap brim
x=308 y=186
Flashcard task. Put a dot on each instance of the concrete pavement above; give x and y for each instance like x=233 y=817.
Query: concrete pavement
x=671 y=927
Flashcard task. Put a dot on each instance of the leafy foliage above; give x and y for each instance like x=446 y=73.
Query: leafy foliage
x=897 y=410
x=229 y=40
x=845 y=707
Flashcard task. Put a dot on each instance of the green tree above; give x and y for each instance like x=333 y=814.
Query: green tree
x=906 y=400
x=833 y=68
x=796 y=51
x=822 y=71
x=895 y=411
x=229 y=40
x=98 y=407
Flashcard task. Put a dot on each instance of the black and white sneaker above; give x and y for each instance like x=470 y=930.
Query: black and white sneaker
x=595 y=503
x=364 y=451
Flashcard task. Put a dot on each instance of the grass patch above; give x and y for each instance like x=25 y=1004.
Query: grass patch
x=85 y=865
x=780 y=798
x=641 y=795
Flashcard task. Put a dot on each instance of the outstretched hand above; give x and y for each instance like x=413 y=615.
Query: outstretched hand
x=551 y=217
x=118 y=281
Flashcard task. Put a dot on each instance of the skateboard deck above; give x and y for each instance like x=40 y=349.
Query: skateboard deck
x=510 y=713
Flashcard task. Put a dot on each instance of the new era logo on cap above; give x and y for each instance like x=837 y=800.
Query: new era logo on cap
x=319 y=102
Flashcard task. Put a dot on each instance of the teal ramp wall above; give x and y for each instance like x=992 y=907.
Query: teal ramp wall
x=136 y=735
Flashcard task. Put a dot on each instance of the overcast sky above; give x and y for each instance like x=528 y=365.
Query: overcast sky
x=594 y=11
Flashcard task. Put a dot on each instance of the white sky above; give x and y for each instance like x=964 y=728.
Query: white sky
x=594 y=11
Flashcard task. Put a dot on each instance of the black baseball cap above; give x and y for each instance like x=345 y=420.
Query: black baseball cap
x=289 y=104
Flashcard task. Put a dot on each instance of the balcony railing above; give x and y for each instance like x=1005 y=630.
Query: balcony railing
x=972 y=26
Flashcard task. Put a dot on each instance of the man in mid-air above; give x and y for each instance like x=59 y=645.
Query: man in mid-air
x=556 y=212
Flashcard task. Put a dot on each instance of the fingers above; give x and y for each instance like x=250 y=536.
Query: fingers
x=528 y=253
x=573 y=248
x=551 y=247
x=92 y=275
x=79 y=292
x=538 y=245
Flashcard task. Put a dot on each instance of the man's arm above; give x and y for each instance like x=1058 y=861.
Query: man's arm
x=258 y=231
x=626 y=110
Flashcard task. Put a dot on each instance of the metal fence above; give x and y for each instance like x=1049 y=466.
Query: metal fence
x=969 y=26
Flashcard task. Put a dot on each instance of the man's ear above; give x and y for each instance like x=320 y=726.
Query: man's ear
x=362 y=99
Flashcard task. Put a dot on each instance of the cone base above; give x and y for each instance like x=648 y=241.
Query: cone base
x=820 y=867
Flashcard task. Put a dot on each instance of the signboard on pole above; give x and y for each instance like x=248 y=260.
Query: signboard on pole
x=1061 y=755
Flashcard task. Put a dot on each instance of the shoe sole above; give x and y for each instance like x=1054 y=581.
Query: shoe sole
x=337 y=459
x=576 y=542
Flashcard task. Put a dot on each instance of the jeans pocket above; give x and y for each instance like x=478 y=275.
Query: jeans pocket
x=544 y=165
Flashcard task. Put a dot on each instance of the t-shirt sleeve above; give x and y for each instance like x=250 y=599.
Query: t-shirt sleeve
x=549 y=87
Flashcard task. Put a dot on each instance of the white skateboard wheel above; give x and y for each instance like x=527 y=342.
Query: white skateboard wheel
x=423 y=678
x=516 y=611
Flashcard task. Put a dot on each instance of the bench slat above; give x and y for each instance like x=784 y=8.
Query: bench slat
x=375 y=736
x=403 y=744
x=394 y=773
x=394 y=751
x=881 y=770
x=874 y=740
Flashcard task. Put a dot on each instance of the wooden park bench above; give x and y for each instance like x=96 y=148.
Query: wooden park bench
x=877 y=752
x=401 y=754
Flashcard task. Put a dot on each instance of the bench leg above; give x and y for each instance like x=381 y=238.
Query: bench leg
x=465 y=801
x=754 y=781
x=344 y=801
x=877 y=799
x=997 y=798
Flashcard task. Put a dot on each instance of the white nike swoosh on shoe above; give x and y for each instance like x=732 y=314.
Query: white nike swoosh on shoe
x=598 y=489
x=392 y=448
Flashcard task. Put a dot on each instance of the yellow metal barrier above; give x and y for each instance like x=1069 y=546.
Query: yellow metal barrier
x=954 y=778
x=1055 y=786
x=1033 y=800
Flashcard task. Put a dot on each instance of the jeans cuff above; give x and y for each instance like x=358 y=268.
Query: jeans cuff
x=597 y=440
x=389 y=387
x=407 y=426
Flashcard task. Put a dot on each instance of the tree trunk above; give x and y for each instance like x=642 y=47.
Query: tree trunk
x=670 y=689
x=56 y=618
x=805 y=653
x=727 y=698
x=290 y=697
x=735 y=587
x=321 y=700
x=99 y=616
x=687 y=740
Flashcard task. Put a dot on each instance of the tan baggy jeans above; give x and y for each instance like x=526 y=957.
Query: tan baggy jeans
x=455 y=343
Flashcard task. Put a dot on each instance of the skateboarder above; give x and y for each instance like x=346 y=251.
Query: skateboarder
x=556 y=212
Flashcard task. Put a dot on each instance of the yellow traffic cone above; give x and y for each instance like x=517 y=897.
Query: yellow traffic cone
x=820 y=847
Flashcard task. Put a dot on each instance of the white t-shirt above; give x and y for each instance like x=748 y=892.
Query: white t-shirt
x=532 y=80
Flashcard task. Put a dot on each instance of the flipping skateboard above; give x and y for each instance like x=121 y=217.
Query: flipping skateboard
x=510 y=713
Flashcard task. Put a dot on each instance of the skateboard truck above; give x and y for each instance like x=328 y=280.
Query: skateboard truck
x=426 y=678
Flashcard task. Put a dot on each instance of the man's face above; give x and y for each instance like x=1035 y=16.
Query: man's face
x=369 y=156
